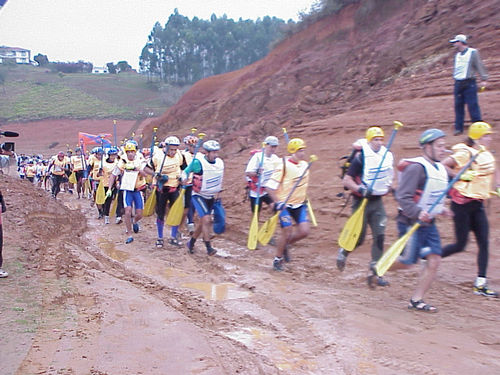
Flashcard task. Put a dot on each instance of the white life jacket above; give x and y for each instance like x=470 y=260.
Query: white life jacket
x=371 y=164
x=462 y=64
x=212 y=178
x=435 y=185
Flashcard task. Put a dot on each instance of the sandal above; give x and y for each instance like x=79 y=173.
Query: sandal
x=422 y=306
x=159 y=242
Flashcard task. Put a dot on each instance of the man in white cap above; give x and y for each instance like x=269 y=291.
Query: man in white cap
x=467 y=64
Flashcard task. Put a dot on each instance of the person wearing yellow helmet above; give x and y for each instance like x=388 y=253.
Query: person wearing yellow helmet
x=56 y=168
x=279 y=186
x=468 y=196
x=366 y=165
x=466 y=65
x=131 y=170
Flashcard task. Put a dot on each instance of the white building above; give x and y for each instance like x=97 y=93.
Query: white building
x=19 y=55
x=100 y=70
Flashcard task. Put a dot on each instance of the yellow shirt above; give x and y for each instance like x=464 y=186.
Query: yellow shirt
x=283 y=180
x=171 y=167
x=58 y=165
x=76 y=161
x=95 y=165
x=107 y=169
x=484 y=167
x=137 y=164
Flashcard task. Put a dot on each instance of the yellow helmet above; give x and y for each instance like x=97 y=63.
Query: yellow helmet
x=478 y=129
x=295 y=145
x=372 y=132
x=129 y=147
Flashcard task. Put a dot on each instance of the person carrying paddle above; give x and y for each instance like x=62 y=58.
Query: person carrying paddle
x=208 y=175
x=133 y=181
x=421 y=184
x=280 y=185
x=263 y=169
x=468 y=196
x=166 y=167
x=108 y=166
x=365 y=166
x=190 y=142
x=56 y=171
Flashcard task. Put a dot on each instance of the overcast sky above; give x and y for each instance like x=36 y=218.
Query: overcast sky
x=102 y=31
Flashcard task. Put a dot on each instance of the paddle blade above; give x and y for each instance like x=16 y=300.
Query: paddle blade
x=100 y=196
x=72 y=178
x=149 y=206
x=311 y=214
x=253 y=232
x=114 y=205
x=177 y=210
x=267 y=229
x=390 y=256
x=352 y=229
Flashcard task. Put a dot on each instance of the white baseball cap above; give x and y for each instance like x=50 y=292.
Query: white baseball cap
x=271 y=140
x=459 y=38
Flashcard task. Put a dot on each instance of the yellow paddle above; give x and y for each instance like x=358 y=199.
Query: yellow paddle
x=253 y=231
x=390 y=256
x=114 y=205
x=268 y=228
x=175 y=213
x=354 y=226
x=311 y=214
x=149 y=206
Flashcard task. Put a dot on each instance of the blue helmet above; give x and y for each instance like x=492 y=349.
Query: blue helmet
x=430 y=135
x=113 y=151
x=211 y=145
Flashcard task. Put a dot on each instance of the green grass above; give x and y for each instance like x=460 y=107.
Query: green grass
x=35 y=93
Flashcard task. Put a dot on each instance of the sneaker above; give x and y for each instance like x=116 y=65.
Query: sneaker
x=278 y=264
x=211 y=251
x=70 y=191
x=129 y=240
x=484 y=291
x=190 y=228
x=174 y=241
x=458 y=132
x=159 y=242
x=118 y=220
x=3 y=273
x=106 y=219
x=135 y=227
x=382 y=282
x=341 y=259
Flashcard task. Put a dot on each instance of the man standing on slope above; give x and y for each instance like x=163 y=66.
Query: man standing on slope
x=467 y=63
x=364 y=166
x=279 y=186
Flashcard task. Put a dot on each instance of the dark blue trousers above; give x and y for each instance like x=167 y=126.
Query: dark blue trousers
x=466 y=93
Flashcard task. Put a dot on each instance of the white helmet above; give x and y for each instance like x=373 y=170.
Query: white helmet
x=211 y=145
x=172 y=141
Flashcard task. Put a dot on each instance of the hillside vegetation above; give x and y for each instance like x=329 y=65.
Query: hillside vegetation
x=32 y=93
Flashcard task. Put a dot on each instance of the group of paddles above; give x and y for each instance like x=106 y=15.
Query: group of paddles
x=465 y=177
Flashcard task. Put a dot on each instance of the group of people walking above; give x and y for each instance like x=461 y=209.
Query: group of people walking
x=181 y=180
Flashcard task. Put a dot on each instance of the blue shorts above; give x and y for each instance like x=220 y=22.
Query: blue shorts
x=202 y=205
x=298 y=214
x=425 y=241
x=133 y=197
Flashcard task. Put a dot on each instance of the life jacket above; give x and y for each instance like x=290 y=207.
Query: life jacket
x=371 y=168
x=210 y=181
x=484 y=168
x=462 y=63
x=435 y=184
